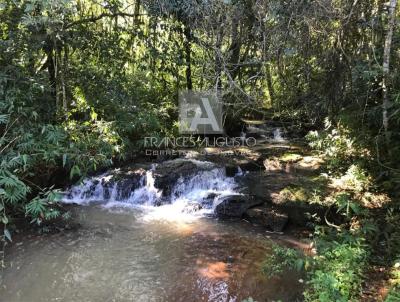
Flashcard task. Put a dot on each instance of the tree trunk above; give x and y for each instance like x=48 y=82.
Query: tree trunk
x=63 y=74
x=56 y=74
x=52 y=72
x=50 y=65
x=235 y=46
x=218 y=55
x=386 y=65
x=187 y=44
x=270 y=84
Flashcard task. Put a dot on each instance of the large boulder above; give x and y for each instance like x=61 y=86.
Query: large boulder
x=126 y=186
x=167 y=174
x=236 y=205
x=125 y=180
x=268 y=216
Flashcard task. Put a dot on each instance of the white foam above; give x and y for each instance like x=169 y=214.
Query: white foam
x=203 y=190
x=278 y=135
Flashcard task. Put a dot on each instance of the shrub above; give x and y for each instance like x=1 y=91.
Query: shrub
x=281 y=259
x=337 y=269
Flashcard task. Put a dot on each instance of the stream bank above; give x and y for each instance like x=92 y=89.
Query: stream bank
x=149 y=231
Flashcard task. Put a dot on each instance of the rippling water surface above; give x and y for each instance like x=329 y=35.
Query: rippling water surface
x=134 y=255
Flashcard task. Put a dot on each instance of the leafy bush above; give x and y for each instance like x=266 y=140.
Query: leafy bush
x=354 y=179
x=337 y=269
x=33 y=151
x=394 y=293
x=282 y=259
x=337 y=145
x=334 y=274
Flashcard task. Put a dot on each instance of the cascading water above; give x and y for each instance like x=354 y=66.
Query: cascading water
x=146 y=194
x=157 y=251
x=278 y=135
x=192 y=196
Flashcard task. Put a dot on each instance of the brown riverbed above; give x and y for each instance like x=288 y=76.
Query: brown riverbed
x=122 y=256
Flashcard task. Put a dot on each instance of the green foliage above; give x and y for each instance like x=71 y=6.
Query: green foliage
x=391 y=231
x=346 y=205
x=394 y=293
x=336 y=144
x=356 y=179
x=337 y=268
x=32 y=150
x=82 y=82
x=335 y=273
x=282 y=259
x=43 y=207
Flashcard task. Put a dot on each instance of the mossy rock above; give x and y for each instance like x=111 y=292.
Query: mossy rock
x=290 y=157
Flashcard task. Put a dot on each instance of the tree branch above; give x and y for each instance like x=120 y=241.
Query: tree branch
x=101 y=16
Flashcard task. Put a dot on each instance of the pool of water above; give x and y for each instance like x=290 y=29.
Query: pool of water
x=132 y=255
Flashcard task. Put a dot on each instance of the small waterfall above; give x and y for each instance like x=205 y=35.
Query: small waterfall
x=278 y=135
x=147 y=193
x=198 y=194
x=96 y=188
x=240 y=172
x=242 y=136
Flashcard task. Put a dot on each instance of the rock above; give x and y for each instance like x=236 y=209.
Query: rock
x=273 y=164
x=305 y=213
x=310 y=163
x=167 y=174
x=251 y=165
x=126 y=181
x=236 y=205
x=231 y=171
x=269 y=217
x=126 y=186
x=209 y=200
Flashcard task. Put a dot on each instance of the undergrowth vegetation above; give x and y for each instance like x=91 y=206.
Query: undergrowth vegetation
x=343 y=253
x=335 y=273
x=83 y=82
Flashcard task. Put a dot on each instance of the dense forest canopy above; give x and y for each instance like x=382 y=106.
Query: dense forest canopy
x=314 y=57
x=82 y=82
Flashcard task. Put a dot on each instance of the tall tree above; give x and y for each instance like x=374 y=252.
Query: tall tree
x=386 y=65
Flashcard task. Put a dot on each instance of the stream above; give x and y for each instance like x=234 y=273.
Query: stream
x=137 y=242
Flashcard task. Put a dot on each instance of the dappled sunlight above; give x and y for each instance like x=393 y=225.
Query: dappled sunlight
x=310 y=163
x=162 y=148
x=213 y=270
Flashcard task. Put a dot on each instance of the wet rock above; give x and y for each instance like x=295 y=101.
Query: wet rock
x=257 y=131
x=209 y=200
x=269 y=217
x=127 y=186
x=126 y=182
x=231 y=171
x=167 y=174
x=251 y=165
x=236 y=205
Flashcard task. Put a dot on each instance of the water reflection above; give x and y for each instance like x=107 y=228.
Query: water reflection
x=118 y=256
